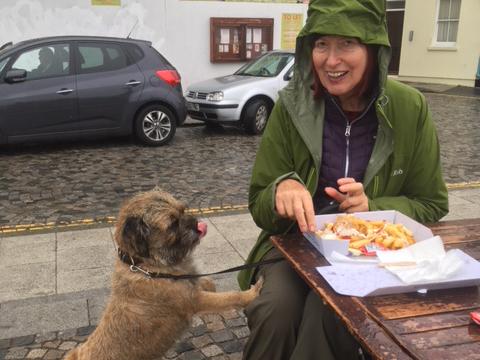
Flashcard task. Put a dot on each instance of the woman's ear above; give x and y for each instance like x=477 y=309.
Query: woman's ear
x=135 y=236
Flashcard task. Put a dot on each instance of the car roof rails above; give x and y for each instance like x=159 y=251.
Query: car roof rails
x=4 y=46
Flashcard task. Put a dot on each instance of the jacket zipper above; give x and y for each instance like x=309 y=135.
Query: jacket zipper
x=347 y=155
x=348 y=128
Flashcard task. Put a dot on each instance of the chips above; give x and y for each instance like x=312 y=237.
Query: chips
x=365 y=234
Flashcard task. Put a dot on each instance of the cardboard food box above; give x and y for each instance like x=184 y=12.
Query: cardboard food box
x=327 y=246
x=370 y=279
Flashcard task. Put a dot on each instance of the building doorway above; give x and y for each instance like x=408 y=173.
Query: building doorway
x=395 y=15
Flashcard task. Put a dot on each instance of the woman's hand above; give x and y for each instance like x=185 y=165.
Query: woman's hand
x=351 y=196
x=293 y=201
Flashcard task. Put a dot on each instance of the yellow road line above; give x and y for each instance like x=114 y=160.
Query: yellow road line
x=16 y=229
x=464 y=185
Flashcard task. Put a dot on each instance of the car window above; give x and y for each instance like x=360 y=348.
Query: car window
x=44 y=61
x=98 y=57
x=135 y=52
x=267 y=66
x=3 y=62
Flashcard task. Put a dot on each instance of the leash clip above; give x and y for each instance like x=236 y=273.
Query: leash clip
x=134 y=269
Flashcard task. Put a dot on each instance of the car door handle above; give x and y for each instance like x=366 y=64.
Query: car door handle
x=133 y=83
x=64 y=91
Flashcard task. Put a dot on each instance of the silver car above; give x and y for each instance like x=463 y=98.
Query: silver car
x=245 y=98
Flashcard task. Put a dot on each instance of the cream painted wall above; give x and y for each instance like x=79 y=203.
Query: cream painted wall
x=421 y=61
x=180 y=30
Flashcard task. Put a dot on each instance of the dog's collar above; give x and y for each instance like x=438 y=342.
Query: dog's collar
x=133 y=264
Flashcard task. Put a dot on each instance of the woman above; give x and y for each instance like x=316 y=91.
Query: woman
x=340 y=132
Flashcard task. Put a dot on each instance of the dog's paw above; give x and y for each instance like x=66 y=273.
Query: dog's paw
x=256 y=288
x=207 y=284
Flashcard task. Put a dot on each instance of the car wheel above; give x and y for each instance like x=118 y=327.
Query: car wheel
x=256 y=116
x=155 y=125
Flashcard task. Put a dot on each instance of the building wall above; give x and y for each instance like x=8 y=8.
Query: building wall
x=180 y=30
x=420 y=61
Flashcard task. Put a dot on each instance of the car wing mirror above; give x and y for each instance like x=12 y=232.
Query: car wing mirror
x=15 y=76
x=288 y=76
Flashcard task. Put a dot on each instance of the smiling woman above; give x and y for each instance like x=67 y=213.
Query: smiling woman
x=337 y=137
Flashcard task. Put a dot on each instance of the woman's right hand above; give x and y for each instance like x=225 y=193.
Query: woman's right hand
x=293 y=201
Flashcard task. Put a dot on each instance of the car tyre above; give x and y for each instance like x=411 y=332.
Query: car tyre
x=155 y=125
x=255 y=116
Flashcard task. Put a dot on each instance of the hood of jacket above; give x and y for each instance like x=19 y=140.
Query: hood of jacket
x=362 y=19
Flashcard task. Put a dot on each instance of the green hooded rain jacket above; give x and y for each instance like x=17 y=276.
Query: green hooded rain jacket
x=404 y=171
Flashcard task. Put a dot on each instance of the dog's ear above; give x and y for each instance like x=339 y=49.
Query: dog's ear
x=135 y=234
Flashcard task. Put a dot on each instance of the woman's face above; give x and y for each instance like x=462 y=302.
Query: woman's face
x=340 y=63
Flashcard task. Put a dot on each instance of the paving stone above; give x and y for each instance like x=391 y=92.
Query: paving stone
x=201 y=341
x=53 y=344
x=23 y=340
x=54 y=355
x=241 y=332
x=232 y=346
x=235 y=356
x=211 y=318
x=48 y=336
x=16 y=353
x=184 y=346
x=211 y=350
x=236 y=322
x=222 y=335
x=86 y=330
x=36 y=353
x=197 y=321
x=199 y=330
x=4 y=343
x=231 y=314
x=67 y=345
x=215 y=326
x=192 y=355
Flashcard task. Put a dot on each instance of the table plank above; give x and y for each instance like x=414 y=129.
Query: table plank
x=400 y=306
x=430 y=322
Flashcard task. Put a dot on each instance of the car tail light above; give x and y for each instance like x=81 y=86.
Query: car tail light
x=171 y=77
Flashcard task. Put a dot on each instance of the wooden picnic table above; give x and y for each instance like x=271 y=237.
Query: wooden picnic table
x=435 y=325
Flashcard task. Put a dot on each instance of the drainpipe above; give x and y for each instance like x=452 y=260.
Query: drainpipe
x=477 y=79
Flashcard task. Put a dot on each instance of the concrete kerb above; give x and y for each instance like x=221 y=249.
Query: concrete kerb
x=23 y=229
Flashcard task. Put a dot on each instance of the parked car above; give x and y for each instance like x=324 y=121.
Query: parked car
x=245 y=98
x=72 y=86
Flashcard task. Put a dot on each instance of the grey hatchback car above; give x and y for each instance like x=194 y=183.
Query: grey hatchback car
x=85 y=86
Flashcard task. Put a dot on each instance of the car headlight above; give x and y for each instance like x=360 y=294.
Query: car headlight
x=215 y=96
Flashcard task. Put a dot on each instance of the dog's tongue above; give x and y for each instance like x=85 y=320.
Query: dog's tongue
x=202 y=228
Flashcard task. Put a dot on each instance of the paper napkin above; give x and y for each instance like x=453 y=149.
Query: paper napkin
x=431 y=261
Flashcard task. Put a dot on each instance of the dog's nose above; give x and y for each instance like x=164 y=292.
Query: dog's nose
x=202 y=228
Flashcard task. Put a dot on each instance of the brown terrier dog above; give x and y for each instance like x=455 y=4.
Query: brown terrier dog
x=146 y=315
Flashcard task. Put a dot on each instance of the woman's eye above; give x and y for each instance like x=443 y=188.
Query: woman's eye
x=321 y=45
x=348 y=44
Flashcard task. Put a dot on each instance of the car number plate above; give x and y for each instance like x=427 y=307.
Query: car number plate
x=193 y=106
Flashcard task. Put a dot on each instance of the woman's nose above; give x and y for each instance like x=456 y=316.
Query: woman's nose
x=333 y=58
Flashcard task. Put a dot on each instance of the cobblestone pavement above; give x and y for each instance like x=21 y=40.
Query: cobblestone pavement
x=205 y=168
x=212 y=336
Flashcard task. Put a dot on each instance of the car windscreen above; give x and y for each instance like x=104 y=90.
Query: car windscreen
x=268 y=65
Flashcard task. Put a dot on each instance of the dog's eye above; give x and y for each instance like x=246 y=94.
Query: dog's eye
x=174 y=225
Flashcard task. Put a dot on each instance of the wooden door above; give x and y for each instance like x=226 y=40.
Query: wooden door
x=395 y=29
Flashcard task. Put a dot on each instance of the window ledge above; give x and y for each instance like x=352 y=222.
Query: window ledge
x=442 y=48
